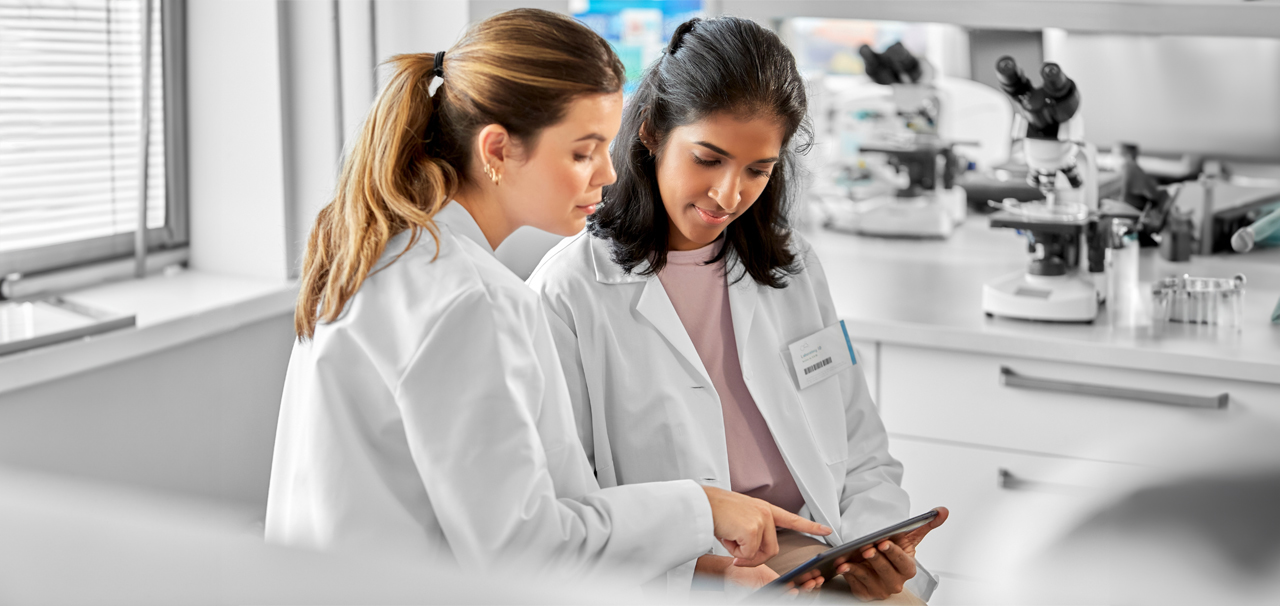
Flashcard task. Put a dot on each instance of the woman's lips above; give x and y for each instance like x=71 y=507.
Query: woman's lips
x=711 y=218
x=589 y=209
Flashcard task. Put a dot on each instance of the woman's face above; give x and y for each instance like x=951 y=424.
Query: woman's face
x=710 y=172
x=560 y=181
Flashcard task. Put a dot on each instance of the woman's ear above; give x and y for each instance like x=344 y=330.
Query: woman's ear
x=646 y=138
x=494 y=146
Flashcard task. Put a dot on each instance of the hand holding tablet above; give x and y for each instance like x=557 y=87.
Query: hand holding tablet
x=875 y=565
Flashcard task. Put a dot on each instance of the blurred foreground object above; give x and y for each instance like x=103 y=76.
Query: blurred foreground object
x=1201 y=530
x=76 y=542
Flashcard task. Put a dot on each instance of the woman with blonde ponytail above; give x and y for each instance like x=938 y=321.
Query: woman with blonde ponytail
x=425 y=410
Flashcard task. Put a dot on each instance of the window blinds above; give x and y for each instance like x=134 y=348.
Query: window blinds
x=70 y=94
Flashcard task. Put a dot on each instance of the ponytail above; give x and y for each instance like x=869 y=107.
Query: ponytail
x=388 y=184
x=519 y=69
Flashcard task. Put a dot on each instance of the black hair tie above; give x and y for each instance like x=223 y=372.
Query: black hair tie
x=437 y=69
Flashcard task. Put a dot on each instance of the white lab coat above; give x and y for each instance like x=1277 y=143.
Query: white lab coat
x=646 y=409
x=432 y=418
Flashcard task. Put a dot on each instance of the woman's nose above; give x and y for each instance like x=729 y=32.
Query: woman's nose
x=608 y=176
x=727 y=194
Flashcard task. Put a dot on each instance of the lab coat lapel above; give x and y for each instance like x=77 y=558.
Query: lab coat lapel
x=743 y=298
x=759 y=348
x=656 y=307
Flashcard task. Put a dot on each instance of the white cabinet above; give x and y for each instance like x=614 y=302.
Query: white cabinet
x=1007 y=442
x=1016 y=403
x=984 y=488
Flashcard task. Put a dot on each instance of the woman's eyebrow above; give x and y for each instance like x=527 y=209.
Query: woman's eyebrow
x=714 y=149
x=597 y=136
x=728 y=155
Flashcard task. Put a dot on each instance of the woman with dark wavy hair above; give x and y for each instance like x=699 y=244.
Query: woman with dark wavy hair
x=675 y=311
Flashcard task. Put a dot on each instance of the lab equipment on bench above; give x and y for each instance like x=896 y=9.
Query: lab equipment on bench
x=1231 y=201
x=1191 y=300
x=1127 y=305
x=1057 y=285
x=925 y=201
x=1265 y=231
x=1142 y=192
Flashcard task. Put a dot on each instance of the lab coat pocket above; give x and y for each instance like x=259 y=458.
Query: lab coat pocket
x=823 y=409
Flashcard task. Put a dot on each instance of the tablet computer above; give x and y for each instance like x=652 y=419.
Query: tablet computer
x=829 y=560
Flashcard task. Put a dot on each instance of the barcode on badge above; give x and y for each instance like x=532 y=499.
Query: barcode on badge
x=821 y=363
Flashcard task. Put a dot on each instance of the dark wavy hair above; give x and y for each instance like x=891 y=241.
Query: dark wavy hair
x=726 y=64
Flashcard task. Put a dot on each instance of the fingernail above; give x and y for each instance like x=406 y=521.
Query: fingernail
x=884 y=546
x=868 y=554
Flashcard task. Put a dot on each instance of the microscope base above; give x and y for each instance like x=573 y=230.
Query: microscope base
x=1068 y=298
x=933 y=215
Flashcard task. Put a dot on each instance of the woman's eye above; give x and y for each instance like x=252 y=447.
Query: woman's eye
x=701 y=162
x=581 y=157
x=763 y=174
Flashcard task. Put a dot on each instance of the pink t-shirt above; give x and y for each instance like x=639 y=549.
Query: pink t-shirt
x=700 y=294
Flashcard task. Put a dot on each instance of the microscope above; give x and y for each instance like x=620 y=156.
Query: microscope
x=1057 y=285
x=927 y=203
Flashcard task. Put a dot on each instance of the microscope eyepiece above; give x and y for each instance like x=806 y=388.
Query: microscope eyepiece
x=1056 y=83
x=1012 y=80
x=876 y=68
x=903 y=61
x=896 y=65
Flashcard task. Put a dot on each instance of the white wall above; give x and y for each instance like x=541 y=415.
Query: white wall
x=417 y=26
x=236 y=179
x=1176 y=94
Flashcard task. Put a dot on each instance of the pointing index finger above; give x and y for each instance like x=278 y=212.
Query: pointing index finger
x=786 y=519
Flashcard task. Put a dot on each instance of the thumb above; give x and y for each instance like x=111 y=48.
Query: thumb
x=943 y=514
x=785 y=519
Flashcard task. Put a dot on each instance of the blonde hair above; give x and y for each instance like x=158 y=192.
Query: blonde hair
x=519 y=69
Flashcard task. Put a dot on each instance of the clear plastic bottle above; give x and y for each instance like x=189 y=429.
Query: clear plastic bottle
x=1127 y=305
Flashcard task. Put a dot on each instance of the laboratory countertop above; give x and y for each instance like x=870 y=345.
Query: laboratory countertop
x=929 y=293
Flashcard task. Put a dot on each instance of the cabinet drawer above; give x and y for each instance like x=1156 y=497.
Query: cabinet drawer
x=1021 y=404
x=999 y=501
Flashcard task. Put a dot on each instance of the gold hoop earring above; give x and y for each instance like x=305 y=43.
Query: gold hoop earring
x=492 y=174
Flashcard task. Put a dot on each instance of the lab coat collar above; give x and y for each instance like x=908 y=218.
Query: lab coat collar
x=456 y=218
x=608 y=272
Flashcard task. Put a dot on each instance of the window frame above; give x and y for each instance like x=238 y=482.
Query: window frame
x=175 y=233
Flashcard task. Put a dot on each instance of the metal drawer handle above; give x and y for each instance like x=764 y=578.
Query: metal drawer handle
x=1009 y=378
x=1006 y=480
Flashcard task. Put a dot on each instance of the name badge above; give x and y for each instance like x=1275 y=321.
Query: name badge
x=822 y=354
